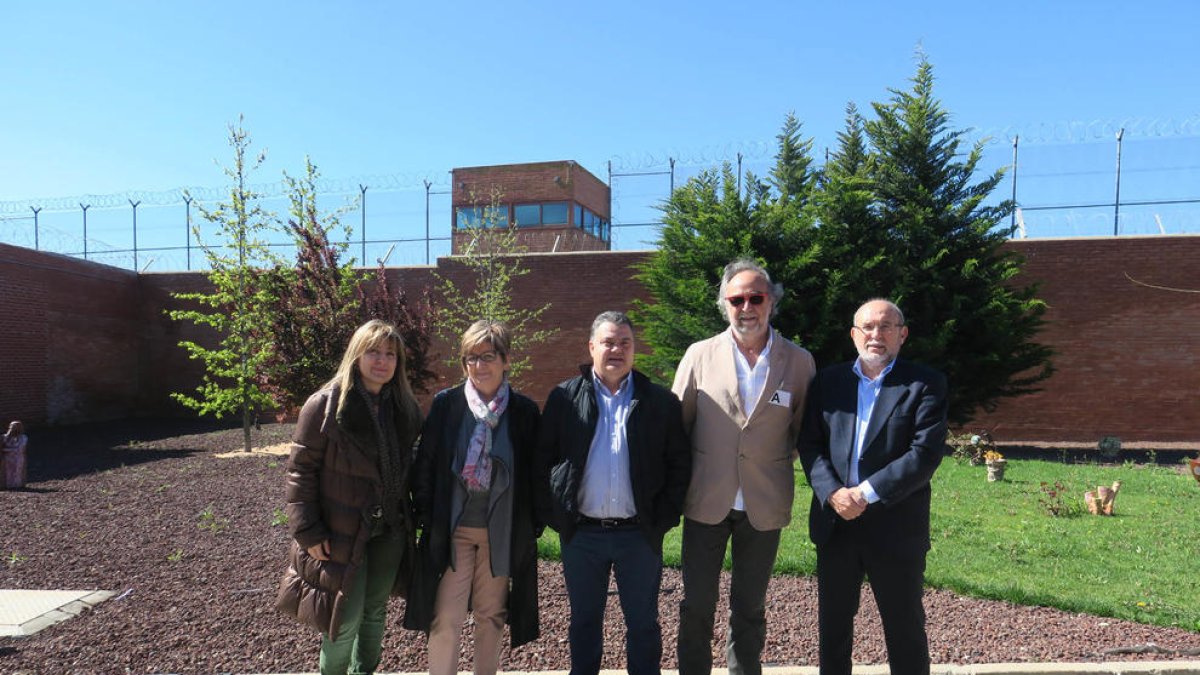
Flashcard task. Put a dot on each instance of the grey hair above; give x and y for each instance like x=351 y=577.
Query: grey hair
x=611 y=316
x=891 y=305
x=774 y=290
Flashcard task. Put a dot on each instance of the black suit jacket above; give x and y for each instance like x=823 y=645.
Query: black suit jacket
x=905 y=442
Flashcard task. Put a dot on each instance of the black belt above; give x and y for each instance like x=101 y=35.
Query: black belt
x=608 y=523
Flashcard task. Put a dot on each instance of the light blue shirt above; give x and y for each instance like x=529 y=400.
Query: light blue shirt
x=606 y=490
x=868 y=391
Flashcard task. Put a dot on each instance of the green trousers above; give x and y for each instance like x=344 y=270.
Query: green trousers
x=359 y=643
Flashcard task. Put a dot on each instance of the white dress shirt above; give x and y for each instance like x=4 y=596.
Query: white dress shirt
x=751 y=382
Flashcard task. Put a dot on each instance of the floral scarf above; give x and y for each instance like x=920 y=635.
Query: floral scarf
x=477 y=469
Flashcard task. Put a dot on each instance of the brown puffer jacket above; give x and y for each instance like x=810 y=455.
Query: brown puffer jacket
x=333 y=486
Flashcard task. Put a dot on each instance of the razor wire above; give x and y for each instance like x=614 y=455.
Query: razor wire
x=638 y=184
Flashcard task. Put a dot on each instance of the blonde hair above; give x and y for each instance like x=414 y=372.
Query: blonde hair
x=485 y=331
x=372 y=334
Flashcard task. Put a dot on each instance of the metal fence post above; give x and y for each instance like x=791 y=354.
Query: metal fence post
x=363 y=205
x=1117 y=200
x=427 y=184
x=135 y=251
x=187 y=234
x=1012 y=221
x=85 y=208
x=35 y=226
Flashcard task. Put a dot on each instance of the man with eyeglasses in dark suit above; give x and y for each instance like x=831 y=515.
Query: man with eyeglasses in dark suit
x=874 y=433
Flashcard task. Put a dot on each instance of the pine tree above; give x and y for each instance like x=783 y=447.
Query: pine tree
x=704 y=219
x=850 y=261
x=897 y=212
x=793 y=176
x=950 y=273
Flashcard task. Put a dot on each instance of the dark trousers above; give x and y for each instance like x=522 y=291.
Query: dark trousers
x=588 y=559
x=703 y=553
x=897 y=576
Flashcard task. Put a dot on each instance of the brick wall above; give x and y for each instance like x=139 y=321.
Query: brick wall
x=1127 y=355
x=92 y=342
x=69 y=345
x=578 y=286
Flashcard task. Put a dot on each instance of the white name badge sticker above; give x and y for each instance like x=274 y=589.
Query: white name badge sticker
x=781 y=397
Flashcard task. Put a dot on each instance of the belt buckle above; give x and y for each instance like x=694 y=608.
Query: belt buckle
x=608 y=523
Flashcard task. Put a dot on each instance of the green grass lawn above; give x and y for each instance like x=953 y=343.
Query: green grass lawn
x=996 y=540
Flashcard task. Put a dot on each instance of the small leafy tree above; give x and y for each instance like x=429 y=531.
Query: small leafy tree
x=241 y=300
x=492 y=258
x=322 y=299
x=316 y=300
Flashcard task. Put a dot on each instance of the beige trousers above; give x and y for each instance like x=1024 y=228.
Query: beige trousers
x=471 y=581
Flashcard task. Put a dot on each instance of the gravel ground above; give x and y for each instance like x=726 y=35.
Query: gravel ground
x=187 y=540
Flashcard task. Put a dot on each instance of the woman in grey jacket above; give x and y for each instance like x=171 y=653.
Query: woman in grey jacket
x=473 y=494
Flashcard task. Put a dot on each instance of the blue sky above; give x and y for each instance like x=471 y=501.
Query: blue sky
x=134 y=97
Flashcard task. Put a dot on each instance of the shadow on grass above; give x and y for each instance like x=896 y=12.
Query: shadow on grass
x=60 y=453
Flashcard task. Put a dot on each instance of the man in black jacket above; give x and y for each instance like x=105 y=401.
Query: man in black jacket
x=613 y=469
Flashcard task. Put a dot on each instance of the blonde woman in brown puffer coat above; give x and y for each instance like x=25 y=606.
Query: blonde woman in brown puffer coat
x=347 y=501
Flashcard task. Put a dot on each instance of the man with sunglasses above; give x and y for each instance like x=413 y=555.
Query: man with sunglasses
x=874 y=433
x=743 y=394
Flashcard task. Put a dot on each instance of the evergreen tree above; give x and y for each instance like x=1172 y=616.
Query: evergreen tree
x=950 y=273
x=897 y=212
x=793 y=176
x=705 y=224
x=851 y=259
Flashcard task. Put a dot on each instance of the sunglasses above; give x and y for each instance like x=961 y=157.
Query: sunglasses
x=753 y=298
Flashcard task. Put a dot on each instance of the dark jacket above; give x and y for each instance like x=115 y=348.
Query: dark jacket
x=904 y=443
x=333 y=486
x=660 y=460
x=432 y=492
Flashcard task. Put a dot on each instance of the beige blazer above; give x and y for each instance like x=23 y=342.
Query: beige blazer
x=729 y=449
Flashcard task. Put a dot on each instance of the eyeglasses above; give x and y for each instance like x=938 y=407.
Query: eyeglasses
x=879 y=327
x=753 y=298
x=486 y=357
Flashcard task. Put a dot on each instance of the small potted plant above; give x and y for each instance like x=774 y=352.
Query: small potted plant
x=995 y=465
x=971 y=447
